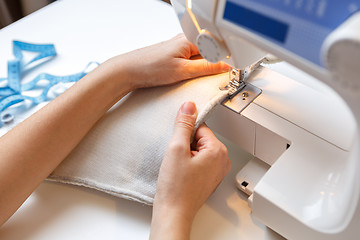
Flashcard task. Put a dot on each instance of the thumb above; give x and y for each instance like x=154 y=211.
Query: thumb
x=185 y=122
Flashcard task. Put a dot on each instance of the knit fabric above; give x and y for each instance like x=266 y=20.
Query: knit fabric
x=122 y=153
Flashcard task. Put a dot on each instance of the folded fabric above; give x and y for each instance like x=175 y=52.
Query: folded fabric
x=122 y=154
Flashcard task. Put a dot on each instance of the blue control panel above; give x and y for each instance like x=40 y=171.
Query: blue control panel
x=300 y=26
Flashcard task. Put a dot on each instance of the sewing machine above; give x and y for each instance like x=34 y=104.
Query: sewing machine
x=304 y=179
x=298 y=184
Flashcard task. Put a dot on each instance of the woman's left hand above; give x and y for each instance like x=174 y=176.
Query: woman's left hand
x=163 y=64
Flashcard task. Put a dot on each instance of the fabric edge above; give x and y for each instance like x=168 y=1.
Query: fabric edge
x=122 y=193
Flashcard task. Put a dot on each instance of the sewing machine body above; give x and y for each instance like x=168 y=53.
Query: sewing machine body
x=303 y=181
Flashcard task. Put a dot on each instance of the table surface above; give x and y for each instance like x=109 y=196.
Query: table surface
x=90 y=30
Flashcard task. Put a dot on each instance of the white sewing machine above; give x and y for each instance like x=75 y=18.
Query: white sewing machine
x=304 y=179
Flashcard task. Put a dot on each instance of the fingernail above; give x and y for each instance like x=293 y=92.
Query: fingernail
x=188 y=108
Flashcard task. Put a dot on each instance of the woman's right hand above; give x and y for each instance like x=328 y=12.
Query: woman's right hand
x=187 y=177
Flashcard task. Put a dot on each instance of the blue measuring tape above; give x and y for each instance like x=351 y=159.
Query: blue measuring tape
x=13 y=92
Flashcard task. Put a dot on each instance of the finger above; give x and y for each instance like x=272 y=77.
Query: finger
x=194 y=153
x=193 y=49
x=185 y=123
x=204 y=132
x=201 y=67
x=204 y=139
x=189 y=49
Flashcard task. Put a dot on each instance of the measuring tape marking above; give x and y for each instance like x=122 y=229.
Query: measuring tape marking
x=44 y=50
x=13 y=92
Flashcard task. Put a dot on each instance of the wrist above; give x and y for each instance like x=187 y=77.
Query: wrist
x=124 y=73
x=170 y=223
x=118 y=74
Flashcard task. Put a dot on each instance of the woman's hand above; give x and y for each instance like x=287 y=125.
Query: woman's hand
x=164 y=63
x=187 y=177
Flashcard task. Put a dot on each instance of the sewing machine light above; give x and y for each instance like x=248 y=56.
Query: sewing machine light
x=193 y=18
x=210 y=48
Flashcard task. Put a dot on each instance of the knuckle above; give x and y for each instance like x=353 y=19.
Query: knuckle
x=210 y=67
x=221 y=147
x=228 y=165
x=224 y=150
x=206 y=67
x=222 y=153
x=185 y=122
x=176 y=146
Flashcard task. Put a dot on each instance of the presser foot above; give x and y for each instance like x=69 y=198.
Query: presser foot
x=240 y=93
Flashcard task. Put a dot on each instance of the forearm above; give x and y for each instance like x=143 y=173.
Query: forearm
x=32 y=150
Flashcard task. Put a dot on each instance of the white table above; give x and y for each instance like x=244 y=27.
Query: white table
x=90 y=30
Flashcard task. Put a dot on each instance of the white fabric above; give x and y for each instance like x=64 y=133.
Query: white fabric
x=122 y=154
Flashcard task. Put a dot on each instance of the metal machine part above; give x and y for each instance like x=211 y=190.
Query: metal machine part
x=241 y=98
x=241 y=93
